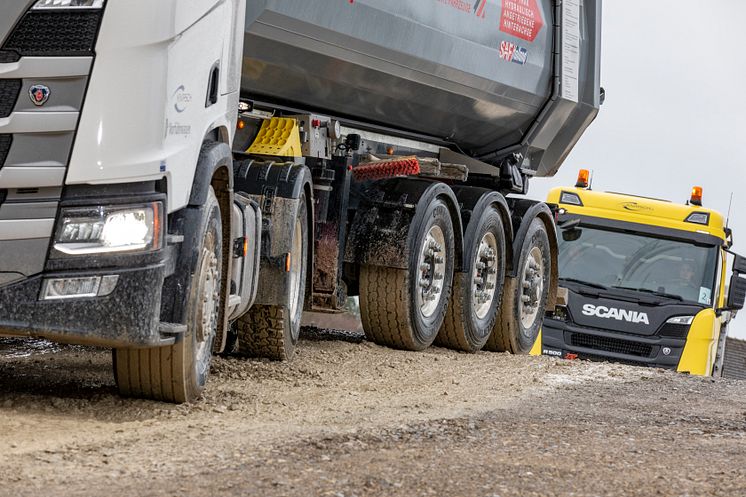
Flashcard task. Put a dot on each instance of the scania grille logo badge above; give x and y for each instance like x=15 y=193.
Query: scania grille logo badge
x=39 y=94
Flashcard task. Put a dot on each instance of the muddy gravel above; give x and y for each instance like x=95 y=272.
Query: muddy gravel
x=349 y=418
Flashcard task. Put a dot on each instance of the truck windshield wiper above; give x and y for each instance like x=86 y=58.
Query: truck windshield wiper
x=586 y=283
x=653 y=292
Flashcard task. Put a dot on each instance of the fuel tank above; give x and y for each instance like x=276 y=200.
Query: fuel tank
x=491 y=78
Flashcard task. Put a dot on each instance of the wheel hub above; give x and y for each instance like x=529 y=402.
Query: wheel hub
x=484 y=277
x=532 y=287
x=431 y=272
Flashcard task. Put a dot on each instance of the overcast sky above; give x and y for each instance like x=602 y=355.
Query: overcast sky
x=675 y=113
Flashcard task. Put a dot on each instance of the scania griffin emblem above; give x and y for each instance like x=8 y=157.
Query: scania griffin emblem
x=39 y=94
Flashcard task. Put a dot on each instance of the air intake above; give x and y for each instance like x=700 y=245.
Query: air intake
x=613 y=345
x=53 y=34
x=5 y=142
x=9 y=90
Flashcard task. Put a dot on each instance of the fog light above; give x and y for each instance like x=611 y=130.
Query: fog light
x=78 y=288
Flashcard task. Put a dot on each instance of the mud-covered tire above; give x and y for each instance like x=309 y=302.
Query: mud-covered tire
x=272 y=331
x=469 y=323
x=389 y=306
x=512 y=332
x=178 y=373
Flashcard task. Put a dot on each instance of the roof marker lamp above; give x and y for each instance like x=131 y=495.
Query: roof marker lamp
x=696 y=198
x=110 y=229
x=570 y=198
x=702 y=218
x=584 y=176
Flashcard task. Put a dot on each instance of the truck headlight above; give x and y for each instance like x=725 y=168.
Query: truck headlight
x=111 y=229
x=67 y=4
x=684 y=320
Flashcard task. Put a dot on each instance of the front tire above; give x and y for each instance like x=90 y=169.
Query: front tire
x=405 y=308
x=524 y=297
x=178 y=373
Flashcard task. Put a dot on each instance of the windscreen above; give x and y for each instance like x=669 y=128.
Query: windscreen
x=630 y=261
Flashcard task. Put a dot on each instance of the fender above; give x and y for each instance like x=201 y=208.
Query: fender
x=212 y=156
x=524 y=211
x=277 y=188
x=388 y=218
x=474 y=199
x=213 y=168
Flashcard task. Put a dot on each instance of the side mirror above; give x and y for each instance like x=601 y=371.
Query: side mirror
x=736 y=293
x=739 y=264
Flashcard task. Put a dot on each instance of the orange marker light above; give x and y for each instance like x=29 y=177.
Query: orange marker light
x=583 y=177
x=245 y=246
x=288 y=262
x=696 y=196
x=241 y=124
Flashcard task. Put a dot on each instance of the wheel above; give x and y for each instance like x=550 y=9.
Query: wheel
x=404 y=308
x=178 y=373
x=272 y=331
x=524 y=297
x=477 y=291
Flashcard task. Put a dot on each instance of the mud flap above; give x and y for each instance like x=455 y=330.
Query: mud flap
x=277 y=189
x=388 y=217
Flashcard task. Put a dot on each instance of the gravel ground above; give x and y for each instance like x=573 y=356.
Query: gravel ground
x=353 y=419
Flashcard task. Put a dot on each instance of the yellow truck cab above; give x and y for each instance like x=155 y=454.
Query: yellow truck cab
x=645 y=279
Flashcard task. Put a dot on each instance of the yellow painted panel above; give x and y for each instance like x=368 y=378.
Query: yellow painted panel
x=701 y=344
x=536 y=349
x=640 y=210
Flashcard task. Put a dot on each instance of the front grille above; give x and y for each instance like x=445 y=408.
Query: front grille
x=9 y=90
x=674 y=330
x=55 y=34
x=5 y=142
x=613 y=345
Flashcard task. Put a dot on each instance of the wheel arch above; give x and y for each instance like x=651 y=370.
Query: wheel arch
x=475 y=199
x=214 y=169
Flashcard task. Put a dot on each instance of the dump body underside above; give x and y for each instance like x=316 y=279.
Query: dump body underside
x=427 y=67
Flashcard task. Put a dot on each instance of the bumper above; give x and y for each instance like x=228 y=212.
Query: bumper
x=128 y=317
x=562 y=339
